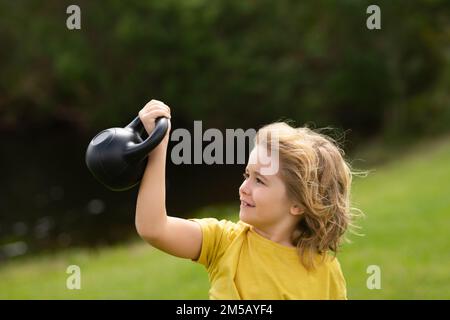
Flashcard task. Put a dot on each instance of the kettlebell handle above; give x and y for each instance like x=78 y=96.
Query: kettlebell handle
x=137 y=152
x=136 y=125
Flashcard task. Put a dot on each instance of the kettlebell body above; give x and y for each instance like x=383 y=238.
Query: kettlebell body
x=117 y=157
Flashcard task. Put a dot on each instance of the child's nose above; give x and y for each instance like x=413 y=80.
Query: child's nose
x=244 y=188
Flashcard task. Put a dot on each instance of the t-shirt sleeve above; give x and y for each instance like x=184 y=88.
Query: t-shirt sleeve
x=216 y=236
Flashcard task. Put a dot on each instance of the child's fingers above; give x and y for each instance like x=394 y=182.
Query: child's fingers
x=158 y=103
x=148 y=119
x=152 y=110
x=152 y=115
x=161 y=109
x=153 y=104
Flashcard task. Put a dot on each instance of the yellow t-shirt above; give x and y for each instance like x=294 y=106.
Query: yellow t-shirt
x=242 y=264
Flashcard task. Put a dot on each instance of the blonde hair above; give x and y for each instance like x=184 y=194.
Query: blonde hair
x=318 y=179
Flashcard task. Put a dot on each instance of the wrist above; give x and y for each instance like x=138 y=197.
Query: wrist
x=160 y=149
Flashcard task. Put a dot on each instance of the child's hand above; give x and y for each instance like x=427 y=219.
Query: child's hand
x=152 y=110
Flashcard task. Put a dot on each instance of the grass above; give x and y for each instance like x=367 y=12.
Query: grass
x=132 y=271
x=407 y=208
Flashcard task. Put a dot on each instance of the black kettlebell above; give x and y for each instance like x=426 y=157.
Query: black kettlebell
x=117 y=157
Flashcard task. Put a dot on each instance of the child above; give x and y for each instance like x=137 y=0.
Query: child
x=290 y=220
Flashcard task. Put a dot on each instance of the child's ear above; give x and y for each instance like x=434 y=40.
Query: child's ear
x=297 y=210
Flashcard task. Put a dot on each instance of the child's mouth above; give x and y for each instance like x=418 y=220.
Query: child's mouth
x=246 y=205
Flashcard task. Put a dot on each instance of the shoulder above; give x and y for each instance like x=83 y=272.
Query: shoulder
x=217 y=236
x=225 y=229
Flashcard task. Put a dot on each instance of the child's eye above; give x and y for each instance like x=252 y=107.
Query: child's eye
x=246 y=176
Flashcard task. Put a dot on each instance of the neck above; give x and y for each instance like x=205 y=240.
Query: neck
x=279 y=234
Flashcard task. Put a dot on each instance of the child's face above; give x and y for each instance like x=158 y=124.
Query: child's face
x=266 y=194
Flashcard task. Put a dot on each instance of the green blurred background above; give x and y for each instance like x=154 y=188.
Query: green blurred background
x=231 y=64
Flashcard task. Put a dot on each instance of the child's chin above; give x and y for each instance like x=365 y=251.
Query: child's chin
x=243 y=216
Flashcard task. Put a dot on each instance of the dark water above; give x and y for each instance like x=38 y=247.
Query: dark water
x=49 y=200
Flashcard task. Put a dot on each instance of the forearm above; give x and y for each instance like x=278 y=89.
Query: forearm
x=151 y=213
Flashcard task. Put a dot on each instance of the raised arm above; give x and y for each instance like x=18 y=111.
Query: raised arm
x=176 y=236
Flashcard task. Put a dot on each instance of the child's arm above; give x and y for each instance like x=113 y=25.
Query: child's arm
x=178 y=237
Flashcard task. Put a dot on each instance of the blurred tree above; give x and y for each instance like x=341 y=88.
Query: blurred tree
x=240 y=62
